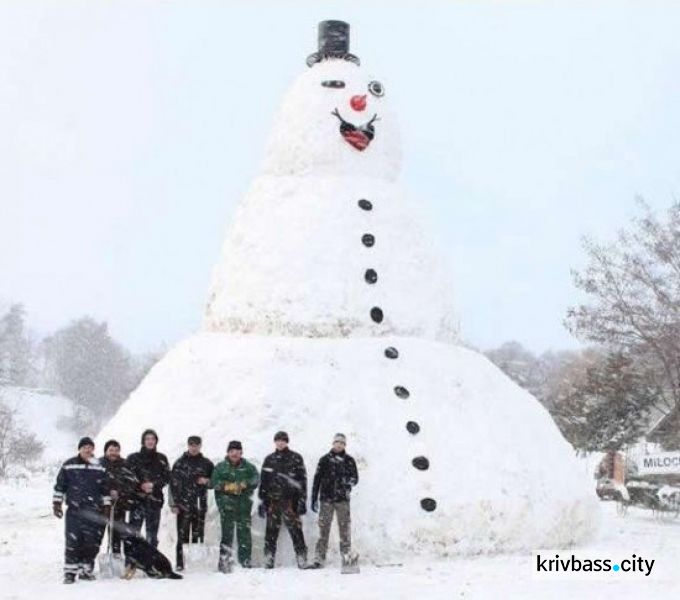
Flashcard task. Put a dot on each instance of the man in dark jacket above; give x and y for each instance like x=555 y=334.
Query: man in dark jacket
x=151 y=469
x=122 y=485
x=336 y=475
x=188 y=498
x=82 y=482
x=283 y=495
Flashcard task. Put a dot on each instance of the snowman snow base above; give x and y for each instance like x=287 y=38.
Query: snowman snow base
x=409 y=500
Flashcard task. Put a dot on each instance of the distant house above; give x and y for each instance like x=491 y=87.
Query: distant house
x=666 y=430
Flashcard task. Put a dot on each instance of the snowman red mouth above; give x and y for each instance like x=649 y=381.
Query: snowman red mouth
x=357 y=136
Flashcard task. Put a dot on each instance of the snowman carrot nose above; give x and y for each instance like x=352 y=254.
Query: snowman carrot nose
x=358 y=102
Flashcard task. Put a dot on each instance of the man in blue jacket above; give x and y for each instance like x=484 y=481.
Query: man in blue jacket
x=83 y=484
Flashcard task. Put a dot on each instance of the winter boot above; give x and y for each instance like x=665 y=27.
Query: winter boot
x=268 y=561
x=226 y=563
x=302 y=561
x=69 y=577
x=319 y=562
x=180 y=560
x=86 y=574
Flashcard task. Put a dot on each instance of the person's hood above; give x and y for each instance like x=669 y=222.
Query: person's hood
x=147 y=432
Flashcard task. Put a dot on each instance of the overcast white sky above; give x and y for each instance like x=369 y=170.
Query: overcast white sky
x=128 y=131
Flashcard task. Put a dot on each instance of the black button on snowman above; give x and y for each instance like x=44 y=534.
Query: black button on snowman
x=334 y=43
x=419 y=462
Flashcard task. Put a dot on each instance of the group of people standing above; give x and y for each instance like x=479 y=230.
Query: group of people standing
x=129 y=493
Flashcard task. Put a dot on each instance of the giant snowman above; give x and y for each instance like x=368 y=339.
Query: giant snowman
x=329 y=311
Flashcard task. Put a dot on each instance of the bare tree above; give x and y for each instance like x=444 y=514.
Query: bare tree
x=542 y=375
x=633 y=306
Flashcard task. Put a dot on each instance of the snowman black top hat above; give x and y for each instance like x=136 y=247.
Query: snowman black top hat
x=333 y=43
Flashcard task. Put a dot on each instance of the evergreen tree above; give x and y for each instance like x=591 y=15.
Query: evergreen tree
x=88 y=366
x=607 y=406
x=15 y=348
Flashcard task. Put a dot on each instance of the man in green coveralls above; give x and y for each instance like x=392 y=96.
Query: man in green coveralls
x=234 y=481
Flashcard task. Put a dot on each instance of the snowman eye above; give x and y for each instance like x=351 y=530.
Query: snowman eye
x=376 y=88
x=333 y=83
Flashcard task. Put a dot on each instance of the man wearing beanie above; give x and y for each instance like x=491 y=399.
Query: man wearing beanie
x=121 y=484
x=188 y=497
x=152 y=472
x=283 y=495
x=336 y=475
x=82 y=483
x=234 y=481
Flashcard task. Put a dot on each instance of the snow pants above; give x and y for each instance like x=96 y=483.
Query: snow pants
x=83 y=531
x=236 y=517
x=189 y=530
x=282 y=510
x=326 y=521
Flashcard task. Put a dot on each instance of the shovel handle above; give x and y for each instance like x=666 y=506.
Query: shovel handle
x=110 y=526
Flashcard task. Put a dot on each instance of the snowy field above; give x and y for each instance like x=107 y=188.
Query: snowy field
x=31 y=552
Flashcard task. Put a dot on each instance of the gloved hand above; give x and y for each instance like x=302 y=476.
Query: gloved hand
x=315 y=506
x=57 y=510
x=231 y=487
x=262 y=510
x=301 y=507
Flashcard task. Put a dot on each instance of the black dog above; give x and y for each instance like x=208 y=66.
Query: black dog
x=144 y=556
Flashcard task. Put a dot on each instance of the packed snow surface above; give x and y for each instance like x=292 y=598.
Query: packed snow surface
x=293 y=263
x=31 y=553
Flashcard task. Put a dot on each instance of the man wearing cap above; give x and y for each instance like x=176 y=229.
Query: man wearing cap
x=234 y=481
x=336 y=475
x=188 y=497
x=283 y=495
x=121 y=485
x=153 y=473
x=82 y=482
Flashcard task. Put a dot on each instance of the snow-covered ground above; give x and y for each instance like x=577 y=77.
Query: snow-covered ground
x=45 y=414
x=31 y=550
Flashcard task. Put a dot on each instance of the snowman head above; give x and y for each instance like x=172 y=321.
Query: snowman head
x=335 y=119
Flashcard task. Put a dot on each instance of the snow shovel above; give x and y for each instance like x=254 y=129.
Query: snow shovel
x=110 y=566
x=350 y=564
